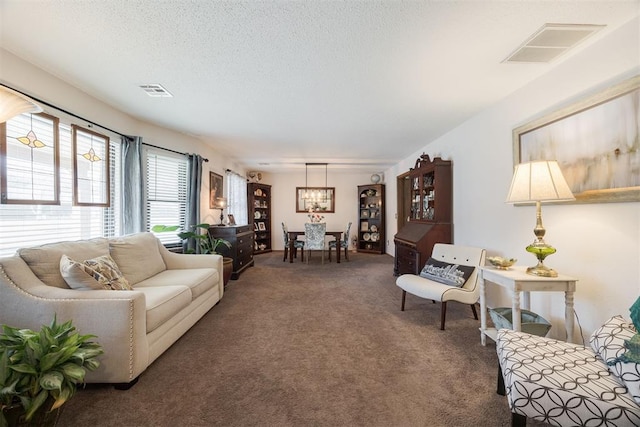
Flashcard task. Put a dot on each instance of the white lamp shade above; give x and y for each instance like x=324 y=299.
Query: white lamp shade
x=221 y=202
x=540 y=181
x=13 y=103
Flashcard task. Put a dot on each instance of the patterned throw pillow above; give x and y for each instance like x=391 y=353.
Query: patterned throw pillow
x=97 y=273
x=608 y=343
x=445 y=273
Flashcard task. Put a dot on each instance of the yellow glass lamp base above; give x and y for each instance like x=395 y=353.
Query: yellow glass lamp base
x=541 y=250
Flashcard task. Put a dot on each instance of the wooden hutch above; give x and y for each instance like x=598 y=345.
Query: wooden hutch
x=425 y=213
x=259 y=204
x=371 y=222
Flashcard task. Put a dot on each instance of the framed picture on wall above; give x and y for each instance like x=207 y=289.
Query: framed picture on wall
x=594 y=141
x=216 y=189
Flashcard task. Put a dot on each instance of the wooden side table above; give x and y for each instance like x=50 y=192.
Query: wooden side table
x=517 y=280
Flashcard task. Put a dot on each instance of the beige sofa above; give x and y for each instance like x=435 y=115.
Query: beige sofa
x=171 y=292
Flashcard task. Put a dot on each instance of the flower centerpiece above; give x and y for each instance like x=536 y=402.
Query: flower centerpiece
x=315 y=218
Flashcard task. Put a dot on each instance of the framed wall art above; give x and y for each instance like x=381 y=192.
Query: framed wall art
x=215 y=189
x=596 y=142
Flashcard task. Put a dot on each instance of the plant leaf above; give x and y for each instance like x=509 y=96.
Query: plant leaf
x=52 y=380
x=35 y=404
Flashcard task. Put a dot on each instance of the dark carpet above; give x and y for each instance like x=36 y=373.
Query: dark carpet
x=312 y=345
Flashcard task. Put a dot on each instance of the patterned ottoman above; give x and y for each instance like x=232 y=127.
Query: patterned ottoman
x=566 y=384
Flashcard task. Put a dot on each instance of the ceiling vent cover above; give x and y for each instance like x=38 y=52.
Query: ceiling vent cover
x=156 y=91
x=551 y=41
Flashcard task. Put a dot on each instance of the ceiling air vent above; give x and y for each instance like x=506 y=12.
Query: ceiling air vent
x=156 y=91
x=551 y=41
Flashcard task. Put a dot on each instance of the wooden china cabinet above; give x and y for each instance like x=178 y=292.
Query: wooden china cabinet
x=371 y=219
x=259 y=203
x=425 y=213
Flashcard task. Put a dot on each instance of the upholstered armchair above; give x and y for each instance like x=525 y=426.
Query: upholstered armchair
x=343 y=243
x=451 y=274
x=297 y=244
x=314 y=234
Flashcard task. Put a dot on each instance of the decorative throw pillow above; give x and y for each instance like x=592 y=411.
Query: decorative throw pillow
x=609 y=342
x=97 y=273
x=448 y=274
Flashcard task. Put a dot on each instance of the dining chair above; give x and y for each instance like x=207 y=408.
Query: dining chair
x=344 y=243
x=297 y=244
x=314 y=238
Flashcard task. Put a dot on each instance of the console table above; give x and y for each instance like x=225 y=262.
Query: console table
x=517 y=280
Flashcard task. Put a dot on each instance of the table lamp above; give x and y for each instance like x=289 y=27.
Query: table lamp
x=539 y=181
x=221 y=203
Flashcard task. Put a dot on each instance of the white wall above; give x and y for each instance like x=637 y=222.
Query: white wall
x=25 y=77
x=283 y=205
x=597 y=243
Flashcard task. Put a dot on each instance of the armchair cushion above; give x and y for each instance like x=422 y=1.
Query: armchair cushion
x=97 y=273
x=445 y=273
x=560 y=383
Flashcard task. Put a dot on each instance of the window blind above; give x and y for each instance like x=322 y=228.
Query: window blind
x=165 y=191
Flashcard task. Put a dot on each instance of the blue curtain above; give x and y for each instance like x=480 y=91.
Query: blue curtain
x=132 y=185
x=194 y=187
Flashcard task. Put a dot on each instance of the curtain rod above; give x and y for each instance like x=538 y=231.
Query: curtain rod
x=170 y=150
x=85 y=120
x=233 y=172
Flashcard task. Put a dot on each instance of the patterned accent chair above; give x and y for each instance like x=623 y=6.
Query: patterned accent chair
x=566 y=384
x=297 y=244
x=344 y=243
x=314 y=234
x=454 y=255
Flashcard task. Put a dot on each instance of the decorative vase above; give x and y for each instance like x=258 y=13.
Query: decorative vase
x=227 y=269
x=15 y=414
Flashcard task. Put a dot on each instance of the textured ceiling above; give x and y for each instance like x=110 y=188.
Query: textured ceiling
x=359 y=84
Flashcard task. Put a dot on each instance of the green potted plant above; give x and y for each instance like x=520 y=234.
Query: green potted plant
x=40 y=371
x=206 y=243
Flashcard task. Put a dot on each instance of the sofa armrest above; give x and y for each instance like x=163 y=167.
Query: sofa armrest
x=175 y=261
x=116 y=318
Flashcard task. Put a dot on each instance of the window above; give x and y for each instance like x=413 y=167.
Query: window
x=165 y=191
x=29 y=153
x=237 y=197
x=90 y=167
x=37 y=223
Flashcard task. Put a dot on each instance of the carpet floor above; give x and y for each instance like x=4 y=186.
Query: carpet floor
x=312 y=345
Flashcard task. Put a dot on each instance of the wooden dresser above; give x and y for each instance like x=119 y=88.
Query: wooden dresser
x=241 y=239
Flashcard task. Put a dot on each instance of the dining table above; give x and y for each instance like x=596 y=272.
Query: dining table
x=293 y=235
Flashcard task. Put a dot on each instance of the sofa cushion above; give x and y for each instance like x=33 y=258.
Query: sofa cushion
x=137 y=255
x=163 y=302
x=199 y=280
x=96 y=273
x=44 y=260
x=445 y=273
